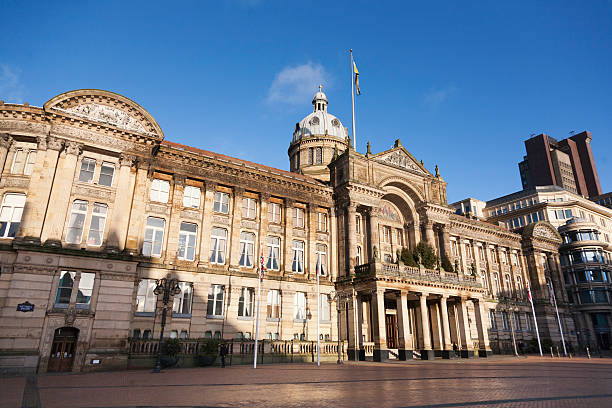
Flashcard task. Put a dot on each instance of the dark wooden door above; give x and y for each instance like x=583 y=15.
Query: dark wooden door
x=63 y=349
x=391 y=325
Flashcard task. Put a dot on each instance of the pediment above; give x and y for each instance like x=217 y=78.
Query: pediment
x=106 y=108
x=400 y=157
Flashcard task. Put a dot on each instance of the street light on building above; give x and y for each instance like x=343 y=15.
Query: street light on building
x=166 y=287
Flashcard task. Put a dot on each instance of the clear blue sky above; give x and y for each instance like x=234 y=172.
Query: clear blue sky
x=463 y=84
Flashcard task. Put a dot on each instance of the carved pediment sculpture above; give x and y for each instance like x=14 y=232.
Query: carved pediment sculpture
x=401 y=158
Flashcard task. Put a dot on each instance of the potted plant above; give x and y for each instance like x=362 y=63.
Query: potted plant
x=207 y=355
x=170 y=351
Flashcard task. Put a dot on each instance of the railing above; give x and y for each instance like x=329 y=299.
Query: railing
x=430 y=275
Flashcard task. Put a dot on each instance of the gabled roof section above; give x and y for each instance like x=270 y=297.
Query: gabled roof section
x=399 y=157
x=106 y=108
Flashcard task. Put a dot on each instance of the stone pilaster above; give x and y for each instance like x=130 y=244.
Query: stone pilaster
x=481 y=326
x=6 y=141
x=177 y=187
x=288 y=224
x=462 y=318
x=234 y=235
x=208 y=210
x=403 y=325
x=138 y=215
x=378 y=325
x=446 y=335
x=124 y=196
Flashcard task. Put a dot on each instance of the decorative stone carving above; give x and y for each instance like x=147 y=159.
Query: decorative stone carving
x=97 y=193
x=5 y=140
x=127 y=160
x=216 y=219
x=42 y=143
x=276 y=229
x=73 y=148
x=70 y=317
x=248 y=224
x=106 y=114
x=54 y=143
x=190 y=214
x=15 y=181
x=400 y=159
x=157 y=208
x=541 y=231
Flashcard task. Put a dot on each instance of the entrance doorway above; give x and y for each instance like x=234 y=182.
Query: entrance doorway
x=63 y=349
x=391 y=325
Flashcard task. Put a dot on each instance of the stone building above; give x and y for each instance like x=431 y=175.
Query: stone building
x=97 y=205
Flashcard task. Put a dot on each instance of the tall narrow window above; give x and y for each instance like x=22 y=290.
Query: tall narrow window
x=17 y=166
x=492 y=322
x=191 y=197
x=298 y=217
x=311 y=155
x=495 y=277
x=107 y=172
x=30 y=162
x=77 y=222
x=218 y=238
x=187 y=241
x=298 y=257
x=299 y=306
x=97 y=224
x=505 y=321
x=88 y=166
x=86 y=284
x=358 y=224
x=324 y=311
x=519 y=286
x=322 y=221
x=145 y=298
x=245 y=302
x=64 y=289
x=154 y=237
x=273 y=247
x=182 y=301
x=319 y=155
x=215 y=300
x=221 y=204
x=358 y=255
x=273 y=307
x=247 y=248
x=160 y=190
x=10 y=214
x=249 y=208
x=321 y=253
x=274 y=213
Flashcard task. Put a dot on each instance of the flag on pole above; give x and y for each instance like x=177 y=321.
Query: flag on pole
x=357 y=90
x=262 y=268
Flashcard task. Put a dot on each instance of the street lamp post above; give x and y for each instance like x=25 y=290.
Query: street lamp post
x=511 y=317
x=166 y=287
x=337 y=298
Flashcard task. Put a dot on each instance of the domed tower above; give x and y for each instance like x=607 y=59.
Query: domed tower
x=314 y=140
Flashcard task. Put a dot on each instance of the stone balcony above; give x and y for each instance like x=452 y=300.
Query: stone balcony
x=414 y=273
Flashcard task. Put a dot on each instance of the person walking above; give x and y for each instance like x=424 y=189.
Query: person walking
x=223 y=353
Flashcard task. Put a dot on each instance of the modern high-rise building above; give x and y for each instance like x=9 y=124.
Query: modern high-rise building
x=567 y=163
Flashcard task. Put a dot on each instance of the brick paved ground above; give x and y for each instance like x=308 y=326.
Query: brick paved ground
x=500 y=382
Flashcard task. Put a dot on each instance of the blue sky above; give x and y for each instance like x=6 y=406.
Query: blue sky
x=463 y=84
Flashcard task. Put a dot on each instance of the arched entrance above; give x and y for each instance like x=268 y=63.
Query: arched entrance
x=63 y=349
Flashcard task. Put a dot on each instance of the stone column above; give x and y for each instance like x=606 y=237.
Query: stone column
x=138 y=213
x=354 y=328
x=310 y=222
x=464 y=334
x=403 y=325
x=120 y=215
x=434 y=314
x=39 y=189
x=177 y=187
x=333 y=245
x=481 y=325
x=59 y=200
x=445 y=324
x=430 y=237
x=351 y=249
x=207 y=219
x=378 y=324
x=427 y=352
x=288 y=224
x=233 y=242
x=446 y=241
x=374 y=233
x=5 y=143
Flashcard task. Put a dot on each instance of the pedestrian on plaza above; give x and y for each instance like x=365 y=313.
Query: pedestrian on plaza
x=223 y=353
x=455 y=348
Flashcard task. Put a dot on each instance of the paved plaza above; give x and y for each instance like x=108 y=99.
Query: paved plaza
x=497 y=382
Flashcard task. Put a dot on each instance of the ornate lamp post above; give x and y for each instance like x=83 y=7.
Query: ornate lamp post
x=166 y=287
x=336 y=296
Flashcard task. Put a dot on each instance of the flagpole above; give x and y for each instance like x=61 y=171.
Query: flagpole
x=535 y=320
x=552 y=291
x=318 y=316
x=353 y=100
x=259 y=279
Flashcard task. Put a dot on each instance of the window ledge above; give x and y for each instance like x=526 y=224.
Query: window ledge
x=325 y=321
x=144 y=314
x=181 y=315
x=299 y=320
x=249 y=318
x=214 y=317
x=272 y=319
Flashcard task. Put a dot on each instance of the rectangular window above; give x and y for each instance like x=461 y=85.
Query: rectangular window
x=215 y=300
x=245 y=303
x=358 y=255
x=529 y=322
x=247 y=248
x=86 y=284
x=517 y=321
x=505 y=321
x=273 y=307
x=400 y=237
x=191 y=197
x=249 y=208
x=492 y=319
x=154 y=237
x=88 y=166
x=77 y=222
x=273 y=247
x=10 y=214
x=504 y=257
x=481 y=253
x=107 y=171
x=274 y=213
x=218 y=238
x=17 y=166
x=298 y=257
x=160 y=190
x=322 y=222
x=299 y=306
x=30 y=162
x=182 y=301
x=97 y=224
x=221 y=204
x=358 y=224
x=145 y=298
x=298 y=217
x=514 y=259
x=64 y=289
x=321 y=253
x=493 y=255
x=386 y=238
x=324 y=312
x=187 y=241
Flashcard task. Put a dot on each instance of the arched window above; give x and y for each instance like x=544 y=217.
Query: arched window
x=319 y=156
x=311 y=155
